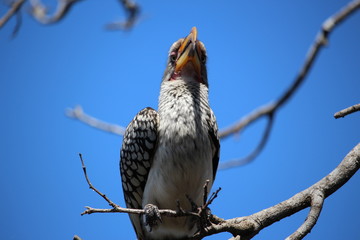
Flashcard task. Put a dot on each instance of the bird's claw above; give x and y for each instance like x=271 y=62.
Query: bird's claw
x=151 y=217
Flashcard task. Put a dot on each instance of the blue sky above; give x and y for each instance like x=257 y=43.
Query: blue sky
x=255 y=49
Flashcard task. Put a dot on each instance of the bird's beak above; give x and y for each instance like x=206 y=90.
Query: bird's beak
x=188 y=52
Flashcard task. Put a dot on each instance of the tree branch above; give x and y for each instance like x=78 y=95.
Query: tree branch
x=78 y=113
x=347 y=111
x=320 y=41
x=249 y=226
x=15 y=7
x=116 y=208
x=132 y=11
x=39 y=11
x=271 y=108
x=255 y=153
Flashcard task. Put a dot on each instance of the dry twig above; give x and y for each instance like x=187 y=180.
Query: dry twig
x=14 y=9
x=132 y=11
x=78 y=113
x=40 y=12
x=347 y=111
x=117 y=208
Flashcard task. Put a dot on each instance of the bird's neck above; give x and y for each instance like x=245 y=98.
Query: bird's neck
x=178 y=95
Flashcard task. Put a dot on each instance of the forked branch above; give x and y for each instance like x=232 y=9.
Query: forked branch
x=313 y=197
x=40 y=12
x=116 y=208
x=79 y=114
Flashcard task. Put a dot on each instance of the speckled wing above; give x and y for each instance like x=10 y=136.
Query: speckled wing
x=137 y=152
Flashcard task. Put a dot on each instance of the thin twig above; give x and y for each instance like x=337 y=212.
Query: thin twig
x=39 y=11
x=255 y=153
x=347 y=111
x=206 y=192
x=92 y=187
x=117 y=209
x=17 y=25
x=132 y=11
x=76 y=237
x=212 y=198
x=79 y=114
x=15 y=7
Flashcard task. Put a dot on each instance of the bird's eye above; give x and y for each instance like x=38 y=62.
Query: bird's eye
x=173 y=56
x=203 y=58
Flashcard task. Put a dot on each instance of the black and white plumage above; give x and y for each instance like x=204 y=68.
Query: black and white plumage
x=168 y=155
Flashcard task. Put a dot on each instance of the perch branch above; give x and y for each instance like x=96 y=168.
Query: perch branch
x=313 y=197
x=347 y=111
x=117 y=209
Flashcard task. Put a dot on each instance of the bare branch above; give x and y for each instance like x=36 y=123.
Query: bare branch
x=320 y=41
x=206 y=192
x=117 y=209
x=40 y=12
x=249 y=226
x=347 y=111
x=18 y=24
x=247 y=120
x=76 y=237
x=132 y=11
x=92 y=187
x=272 y=108
x=79 y=114
x=255 y=153
x=15 y=7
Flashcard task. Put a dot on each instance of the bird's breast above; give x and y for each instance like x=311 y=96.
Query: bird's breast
x=183 y=160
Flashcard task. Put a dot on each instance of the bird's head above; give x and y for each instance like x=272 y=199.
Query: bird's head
x=187 y=60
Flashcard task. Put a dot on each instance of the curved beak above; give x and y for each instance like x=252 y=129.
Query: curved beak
x=188 y=52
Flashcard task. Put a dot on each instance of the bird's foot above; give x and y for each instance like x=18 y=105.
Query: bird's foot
x=204 y=218
x=152 y=216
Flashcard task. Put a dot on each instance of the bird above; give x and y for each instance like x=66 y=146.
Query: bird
x=167 y=155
